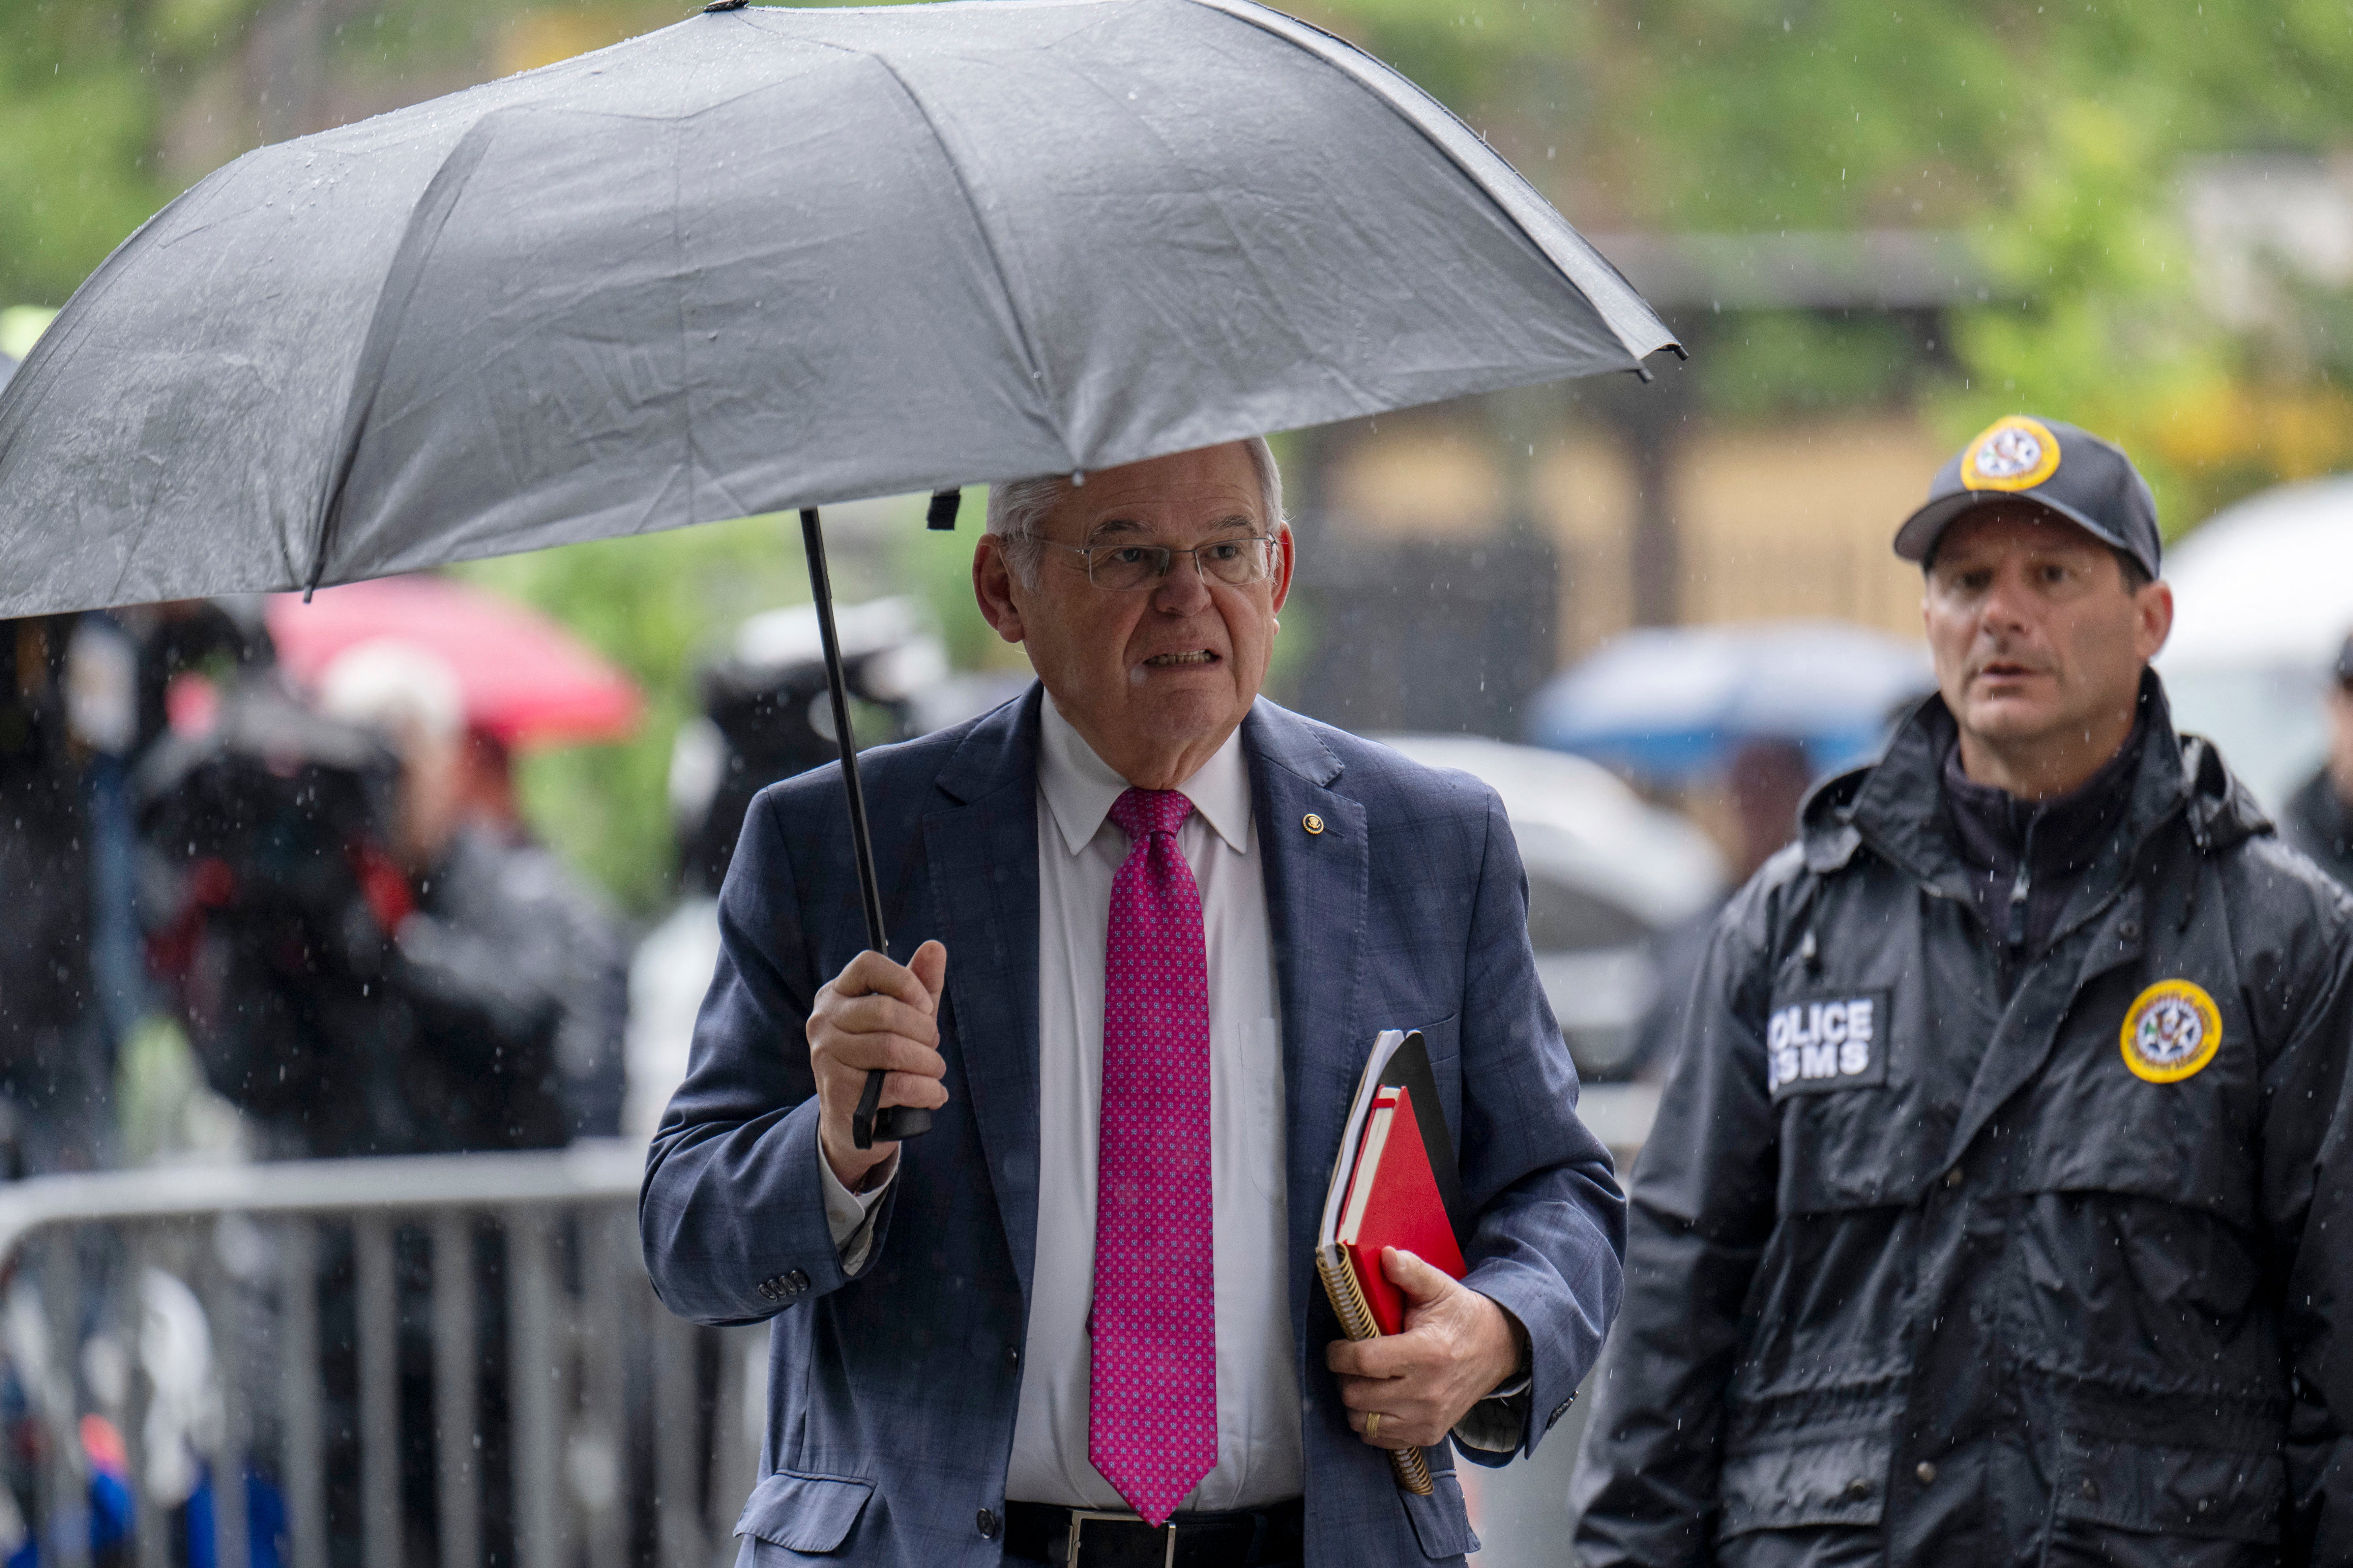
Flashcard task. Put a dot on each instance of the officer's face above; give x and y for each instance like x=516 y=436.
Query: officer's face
x=2038 y=641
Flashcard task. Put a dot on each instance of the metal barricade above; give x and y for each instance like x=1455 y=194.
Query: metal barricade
x=369 y=1322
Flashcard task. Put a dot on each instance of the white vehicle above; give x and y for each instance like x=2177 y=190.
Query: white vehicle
x=1607 y=873
x=2262 y=598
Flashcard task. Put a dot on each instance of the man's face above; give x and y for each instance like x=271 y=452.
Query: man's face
x=432 y=796
x=1163 y=672
x=2034 y=632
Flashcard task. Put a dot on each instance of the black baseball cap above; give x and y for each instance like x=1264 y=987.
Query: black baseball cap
x=2088 y=481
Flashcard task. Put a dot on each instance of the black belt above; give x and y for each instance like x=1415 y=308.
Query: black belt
x=1270 y=1537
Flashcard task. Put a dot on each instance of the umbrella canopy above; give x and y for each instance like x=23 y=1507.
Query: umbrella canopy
x=1671 y=700
x=525 y=680
x=768 y=259
x=2262 y=598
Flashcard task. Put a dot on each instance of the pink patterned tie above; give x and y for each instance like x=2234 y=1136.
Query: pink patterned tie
x=1152 y=1423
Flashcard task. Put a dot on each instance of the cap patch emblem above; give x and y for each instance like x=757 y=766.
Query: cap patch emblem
x=2171 y=1031
x=2014 y=453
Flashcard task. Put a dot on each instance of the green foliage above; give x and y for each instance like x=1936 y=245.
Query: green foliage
x=2053 y=136
x=76 y=125
x=1740 y=114
x=1770 y=362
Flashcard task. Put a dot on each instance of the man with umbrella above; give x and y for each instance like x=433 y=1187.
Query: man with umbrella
x=1995 y=1209
x=1174 y=917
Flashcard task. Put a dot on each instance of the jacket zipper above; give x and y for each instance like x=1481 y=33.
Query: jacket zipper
x=2022 y=885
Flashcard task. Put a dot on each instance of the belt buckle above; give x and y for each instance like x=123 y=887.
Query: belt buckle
x=1079 y=1515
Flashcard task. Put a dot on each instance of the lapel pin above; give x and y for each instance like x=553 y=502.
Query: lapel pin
x=1313 y=822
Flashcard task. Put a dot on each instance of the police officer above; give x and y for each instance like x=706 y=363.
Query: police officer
x=1998 y=1207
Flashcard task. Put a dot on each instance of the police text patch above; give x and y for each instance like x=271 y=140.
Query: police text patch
x=1824 y=1043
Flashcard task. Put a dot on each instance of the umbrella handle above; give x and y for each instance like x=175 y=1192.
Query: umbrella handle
x=871 y=1120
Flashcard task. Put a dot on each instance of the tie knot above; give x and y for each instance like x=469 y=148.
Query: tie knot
x=1141 y=812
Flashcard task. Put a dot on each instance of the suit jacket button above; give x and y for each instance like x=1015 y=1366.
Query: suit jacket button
x=768 y=1288
x=986 y=1523
x=797 y=1280
x=1013 y=1358
x=1925 y=1471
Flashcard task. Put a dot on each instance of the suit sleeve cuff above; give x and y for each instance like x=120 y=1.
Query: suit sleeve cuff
x=849 y=1216
x=1497 y=1424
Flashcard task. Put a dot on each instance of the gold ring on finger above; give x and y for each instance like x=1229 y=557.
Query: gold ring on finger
x=1373 y=1425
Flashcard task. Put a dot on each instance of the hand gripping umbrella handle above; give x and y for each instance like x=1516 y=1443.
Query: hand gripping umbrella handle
x=871 y=1120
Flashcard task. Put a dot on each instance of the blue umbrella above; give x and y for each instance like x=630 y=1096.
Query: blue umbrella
x=1671 y=701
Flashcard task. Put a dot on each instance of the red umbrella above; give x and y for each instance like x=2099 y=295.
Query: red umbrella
x=526 y=681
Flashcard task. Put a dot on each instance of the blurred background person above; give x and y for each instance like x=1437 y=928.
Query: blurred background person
x=2318 y=817
x=1766 y=783
x=65 y=701
x=577 y=932
x=480 y=963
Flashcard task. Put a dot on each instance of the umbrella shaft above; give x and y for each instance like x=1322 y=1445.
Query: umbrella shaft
x=871 y=1120
x=837 y=685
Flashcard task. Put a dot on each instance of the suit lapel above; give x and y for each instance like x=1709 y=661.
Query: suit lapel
x=983 y=856
x=1316 y=887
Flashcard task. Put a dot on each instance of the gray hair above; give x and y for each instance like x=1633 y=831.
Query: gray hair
x=1018 y=508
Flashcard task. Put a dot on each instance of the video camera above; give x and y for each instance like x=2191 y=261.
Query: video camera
x=269 y=897
x=768 y=716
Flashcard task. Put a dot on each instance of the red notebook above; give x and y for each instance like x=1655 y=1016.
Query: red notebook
x=1393 y=1184
x=1393 y=1202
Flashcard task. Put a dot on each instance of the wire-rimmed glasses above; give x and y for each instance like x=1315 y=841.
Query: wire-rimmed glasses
x=1126 y=568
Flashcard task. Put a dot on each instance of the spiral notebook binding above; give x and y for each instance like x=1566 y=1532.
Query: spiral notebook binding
x=1357 y=1321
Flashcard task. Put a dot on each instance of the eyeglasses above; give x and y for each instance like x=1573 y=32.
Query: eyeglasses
x=1126 y=568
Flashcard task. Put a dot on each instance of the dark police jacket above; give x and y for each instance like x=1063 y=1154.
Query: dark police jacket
x=1929 y=1269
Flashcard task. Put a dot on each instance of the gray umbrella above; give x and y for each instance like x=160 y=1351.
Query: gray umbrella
x=772 y=258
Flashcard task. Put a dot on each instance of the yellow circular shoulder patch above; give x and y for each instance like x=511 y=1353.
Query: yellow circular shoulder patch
x=2170 y=1031
x=2014 y=453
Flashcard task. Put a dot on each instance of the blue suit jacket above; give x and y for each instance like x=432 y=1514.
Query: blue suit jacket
x=891 y=1395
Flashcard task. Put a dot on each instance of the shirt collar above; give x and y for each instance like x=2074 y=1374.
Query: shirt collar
x=1081 y=787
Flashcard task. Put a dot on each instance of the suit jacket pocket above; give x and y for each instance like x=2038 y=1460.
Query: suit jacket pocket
x=804 y=1513
x=1441 y=1522
x=1841 y=1480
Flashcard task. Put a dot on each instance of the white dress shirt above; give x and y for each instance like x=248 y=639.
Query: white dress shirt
x=1080 y=850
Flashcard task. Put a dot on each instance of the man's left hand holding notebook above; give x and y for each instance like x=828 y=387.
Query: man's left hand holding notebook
x=1408 y=1390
